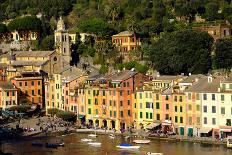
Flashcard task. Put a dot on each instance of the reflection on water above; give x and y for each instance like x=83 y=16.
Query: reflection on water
x=73 y=145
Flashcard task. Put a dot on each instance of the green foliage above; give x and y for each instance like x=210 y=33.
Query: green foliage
x=3 y=28
x=96 y=26
x=133 y=64
x=223 y=54
x=20 y=108
x=65 y=115
x=48 y=43
x=103 y=70
x=186 y=51
x=25 y=23
x=141 y=68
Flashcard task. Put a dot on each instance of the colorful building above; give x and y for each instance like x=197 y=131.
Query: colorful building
x=8 y=95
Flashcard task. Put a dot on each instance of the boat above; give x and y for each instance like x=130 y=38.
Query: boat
x=60 y=144
x=37 y=144
x=141 y=141
x=127 y=146
x=54 y=145
x=92 y=135
x=94 y=143
x=112 y=136
x=150 y=153
x=86 y=140
x=229 y=142
x=127 y=137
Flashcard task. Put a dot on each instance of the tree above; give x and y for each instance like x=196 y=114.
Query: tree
x=96 y=26
x=103 y=70
x=185 y=51
x=211 y=13
x=48 y=43
x=3 y=31
x=223 y=54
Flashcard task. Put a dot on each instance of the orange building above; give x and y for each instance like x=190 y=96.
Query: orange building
x=30 y=85
x=125 y=42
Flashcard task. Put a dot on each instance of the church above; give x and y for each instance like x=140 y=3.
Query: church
x=48 y=62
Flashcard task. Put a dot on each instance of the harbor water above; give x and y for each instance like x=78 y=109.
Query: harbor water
x=74 y=146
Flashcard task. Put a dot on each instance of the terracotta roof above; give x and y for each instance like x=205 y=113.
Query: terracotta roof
x=167 y=77
x=192 y=78
x=125 y=33
x=28 y=63
x=3 y=65
x=228 y=79
x=28 y=54
x=6 y=85
x=204 y=86
x=123 y=75
x=72 y=73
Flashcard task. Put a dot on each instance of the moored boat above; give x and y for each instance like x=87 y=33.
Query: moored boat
x=150 y=153
x=92 y=135
x=37 y=144
x=112 y=136
x=141 y=141
x=94 y=143
x=127 y=146
x=86 y=140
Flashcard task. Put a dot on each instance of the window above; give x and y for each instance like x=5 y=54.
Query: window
x=222 y=98
x=32 y=92
x=167 y=116
x=190 y=107
x=96 y=111
x=213 y=109
x=82 y=108
x=175 y=98
x=197 y=96
x=167 y=106
x=128 y=84
x=176 y=119
x=135 y=105
x=157 y=96
x=204 y=96
x=121 y=113
x=110 y=102
x=124 y=84
x=222 y=110
x=114 y=113
x=213 y=97
x=166 y=97
x=20 y=84
x=176 y=109
x=7 y=93
x=141 y=105
x=151 y=116
x=121 y=104
x=38 y=83
x=198 y=107
x=205 y=108
x=128 y=92
x=181 y=109
x=146 y=95
x=32 y=83
x=128 y=112
x=13 y=93
x=89 y=111
x=89 y=101
x=110 y=113
x=114 y=103
x=181 y=119
x=120 y=92
x=205 y=120
x=214 y=121
x=25 y=83
x=180 y=99
x=228 y=122
x=140 y=95
x=128 y=102
x=189 y=96
x=190 y=120
x=157 y=105
x=147 y=115
x=141 y=115
x=157 y=116
x=198 y=120
x=104 y=93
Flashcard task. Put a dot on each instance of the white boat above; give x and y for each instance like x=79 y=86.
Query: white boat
x=86 y=140
x=127 y=146
x=150 y=153
x=229 y=142
x=112 y=136
x=127 y=137
x=94 y=143
x=92 y=135
x=141 y=141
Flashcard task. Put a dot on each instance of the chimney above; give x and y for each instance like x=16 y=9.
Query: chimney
x=210 y=79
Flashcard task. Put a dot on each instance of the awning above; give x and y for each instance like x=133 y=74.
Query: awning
x=204 y=130
x=81 y=116
x=152 y=125
x=225 y=130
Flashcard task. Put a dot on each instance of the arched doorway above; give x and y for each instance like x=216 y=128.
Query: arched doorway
x=104 y=123
x=113 y=124
x=97 y=123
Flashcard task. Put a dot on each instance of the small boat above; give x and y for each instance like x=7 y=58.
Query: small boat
x=112 y=136
x=60 y=144
x=94 y=143
x=92 y=135
x=141 y=141
x=37 y=144
x=150 y=153
x=127 y=137
x=86 y=140
x=54 y=145
x=127 y=146
x=229 y=142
